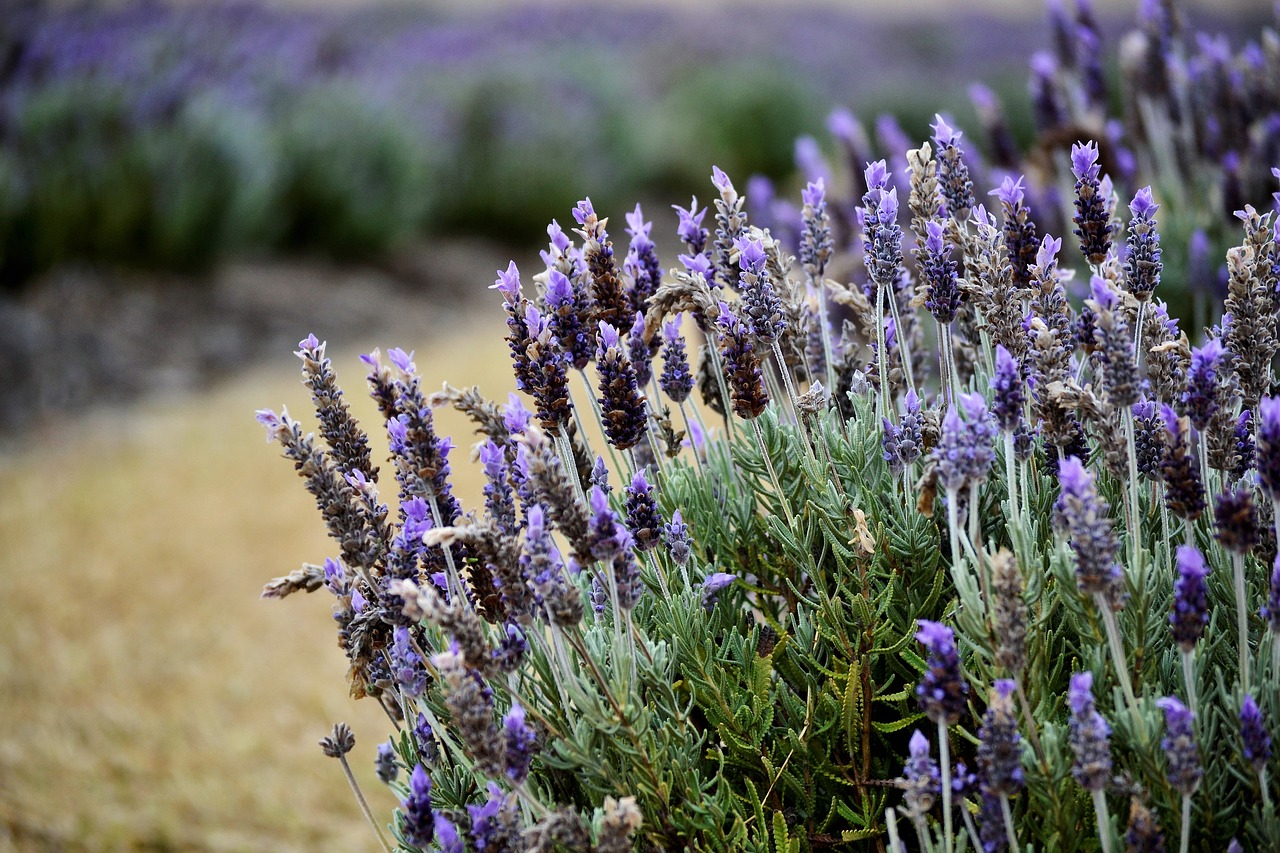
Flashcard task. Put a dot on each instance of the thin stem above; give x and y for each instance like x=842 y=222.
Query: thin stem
x=828 y=352
x=904 y=351
x=791 y=392
x=1135 y=519
x=688 y=428
x=725 y=400
x=895 y=842
x=571 y=468
x=1184 y=841
x=1011 y=479
x=1117 y=651
x=944 y=766
x=970 y=829
x=1242 y=617
x=1189 y=676
x=364 y=805
x=773 y=475
x=1104 y=819
x=1266 y=795
x=1008 y=822
x=455 y=580
x=881 y=355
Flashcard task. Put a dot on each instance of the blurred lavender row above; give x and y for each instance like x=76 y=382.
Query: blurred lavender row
x=157 y=136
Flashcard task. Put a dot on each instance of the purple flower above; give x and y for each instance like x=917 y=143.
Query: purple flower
x=741 y=366
x=642 y=513
x=676 y=535
x=447 y=836
x=1092 y=218
x=620 y=400
x=882 y=246
x=690 y=229
x=520 y=740
x=410 y=674
x=568 y=313
x=953 y=174
x=1180 y=471
x=515 y=417
x=1009 y=392
x=496 y=824
x=965 y=451
x=943 y=692
x=425 y=740
x=1179 y=743
x=1236 y=520
x=761 y=306
x=384 y=765
x=712 y=585
x=1084 y=517
x=1271 y=610
x=939 y=274
x=1190 y=612
x=1201 y=400
x=1090 y=735
x=419 y=819
x=639 y=351
x=606 y=535
x=1253 y=732
x=921 y=780
x=648 y=270
x=999 y=744
x=676 y=378
x=1267 y=448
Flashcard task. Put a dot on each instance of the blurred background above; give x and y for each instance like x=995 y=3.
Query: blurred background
x=189 y=188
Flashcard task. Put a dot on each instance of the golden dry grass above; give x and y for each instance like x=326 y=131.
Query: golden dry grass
x=149 y=698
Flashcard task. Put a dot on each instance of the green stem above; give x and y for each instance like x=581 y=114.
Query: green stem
x=1008 y=822
x=1104 y=819
x=773 y=475
x=1116 y=646
x=1189 y=676
x=1184 y=841
x=364 y=805
x=1242 y=617
x=944 y=766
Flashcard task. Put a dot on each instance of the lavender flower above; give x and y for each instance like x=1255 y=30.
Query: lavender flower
x=938 y=272
x=639 y=351
x=520 y=739
x=999 y=744
x=1090 y=735
x=642 y=513
x=1179 y=744
x=1184 y=489
x=953 y=174
x=741 y=366
x=648 y=270
x=690 y=229
x=347 y=442
x=626 y=573
x=540 y=562
x=385 y=766
x=712 y=585
x=943 y=692
x=1202 y=399
x=569 y=313
x=1114 y=341
x=1009 y=392
x=1236 y=520
x=676 y=535
x=676 y=379
x=1143 y=833
x=816 y=243
x=1093 y=220
x=470 y=704
x=606 y=535
x=407 y=664
x=731 y=223
x=1271 y=610
x=518 y=339
x=1083 y=516
x=1190 y=612
x=610 y=301
x=447 y=836
x=425 y=740
x=1267 y=448
x=620 y=400
x=1142 y=265
x=761 y=306
x=546 y=379
x=1020 y=238
x=495 y=825
x=882 y=247
x=418 y=827
x=965 y=451
x=1009 y=613
x=920 y=780
x=1253 y=734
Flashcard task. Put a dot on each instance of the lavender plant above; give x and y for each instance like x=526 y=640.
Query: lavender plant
x=734 y=645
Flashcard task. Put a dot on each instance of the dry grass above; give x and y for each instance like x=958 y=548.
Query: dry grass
x=150 y=699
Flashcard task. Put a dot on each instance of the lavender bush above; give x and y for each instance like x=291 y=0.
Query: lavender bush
x=993 y=574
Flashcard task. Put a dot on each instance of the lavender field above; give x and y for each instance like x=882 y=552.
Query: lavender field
x=188 y=190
